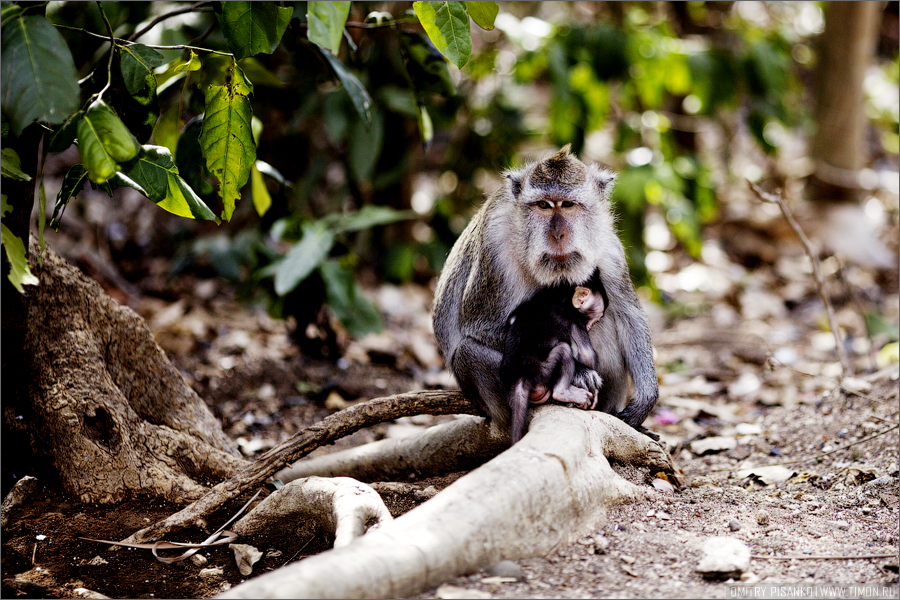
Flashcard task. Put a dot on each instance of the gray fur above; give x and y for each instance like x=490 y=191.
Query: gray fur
x=506 y=254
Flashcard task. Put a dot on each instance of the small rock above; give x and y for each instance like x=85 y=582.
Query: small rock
x=661 y=485
x=506 y=568
x=747 y=384
x=844 y=525
x=747 y=429
x=628 y=559
x=734 y=525
x=601 y=544
x=198 y=559
x=723 y=558
x=452 y=591
x=212 y=572
x=663 y=516
x=82 y=592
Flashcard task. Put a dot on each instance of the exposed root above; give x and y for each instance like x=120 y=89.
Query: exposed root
x=346 y=507
x=546 y=491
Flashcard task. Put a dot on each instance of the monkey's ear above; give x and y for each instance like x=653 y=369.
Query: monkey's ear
x=515 y=181
x=604 y=181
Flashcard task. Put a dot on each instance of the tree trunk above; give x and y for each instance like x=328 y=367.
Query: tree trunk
x=107 y=409
x=846 y=52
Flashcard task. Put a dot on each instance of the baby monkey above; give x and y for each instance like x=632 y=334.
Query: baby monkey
x=546 y=335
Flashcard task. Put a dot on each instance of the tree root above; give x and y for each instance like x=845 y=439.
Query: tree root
x=546 y=491
x=459 y=445
x=346 y=507
x=324 y=432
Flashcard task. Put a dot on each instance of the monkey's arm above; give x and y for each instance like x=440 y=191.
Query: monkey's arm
x=477 y=370
x=634 y=337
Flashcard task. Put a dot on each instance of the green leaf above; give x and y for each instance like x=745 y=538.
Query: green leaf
x=261 y=198
x=362 y=102
x=426 y=129
x=356 y=312
x=65 y=135
x=19 y=272
x=104 y=142
x=155 y=175
x=71 y=185
x=267 y=169
x=447 y=26
x=306 y=255
x=11 y=166
x=366 y=217
x=168 y=129
x=39 y=76
x=325 y=23
x=189 y=158
x=252 y=27
x=365 y=146
x=188 y=61
x=227 y=138
x=428 y=69
x=483 y=13
x=137 y=63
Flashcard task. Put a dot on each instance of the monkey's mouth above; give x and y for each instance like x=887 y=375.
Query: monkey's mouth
x=560 y=259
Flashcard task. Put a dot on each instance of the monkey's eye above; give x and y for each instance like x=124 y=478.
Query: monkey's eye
x=567 y=204
x=544 y=205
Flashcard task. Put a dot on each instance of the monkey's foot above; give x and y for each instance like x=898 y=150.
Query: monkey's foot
x=539 y=395
x=574 y=395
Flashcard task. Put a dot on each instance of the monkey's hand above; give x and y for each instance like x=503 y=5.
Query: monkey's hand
x=587 y=379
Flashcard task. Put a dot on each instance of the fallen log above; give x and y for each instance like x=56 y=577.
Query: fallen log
x=548 y=490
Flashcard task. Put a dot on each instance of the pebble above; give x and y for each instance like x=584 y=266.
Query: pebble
x=762 y=517
x=734 y=525
x=840 y=524
x=723 y=558
x=506 y=568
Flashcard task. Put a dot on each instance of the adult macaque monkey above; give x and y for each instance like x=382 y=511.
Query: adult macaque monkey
x=550 y=224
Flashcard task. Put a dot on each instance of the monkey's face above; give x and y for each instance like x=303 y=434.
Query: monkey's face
x=560 y=226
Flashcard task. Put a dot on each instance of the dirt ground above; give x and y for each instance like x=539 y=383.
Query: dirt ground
x=748 y=377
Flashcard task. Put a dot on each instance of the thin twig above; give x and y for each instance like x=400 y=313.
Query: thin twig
x=776 y=198
x=154 y=22
x=112 y=48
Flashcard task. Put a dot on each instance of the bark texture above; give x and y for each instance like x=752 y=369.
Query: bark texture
x=847 y=48
x=108 y=410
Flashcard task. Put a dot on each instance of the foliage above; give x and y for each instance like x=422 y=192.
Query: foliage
x=216 y=82
x=325 y=114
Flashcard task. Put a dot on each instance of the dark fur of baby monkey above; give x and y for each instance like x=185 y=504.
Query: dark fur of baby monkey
x=547 y=337
x=549 y=224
